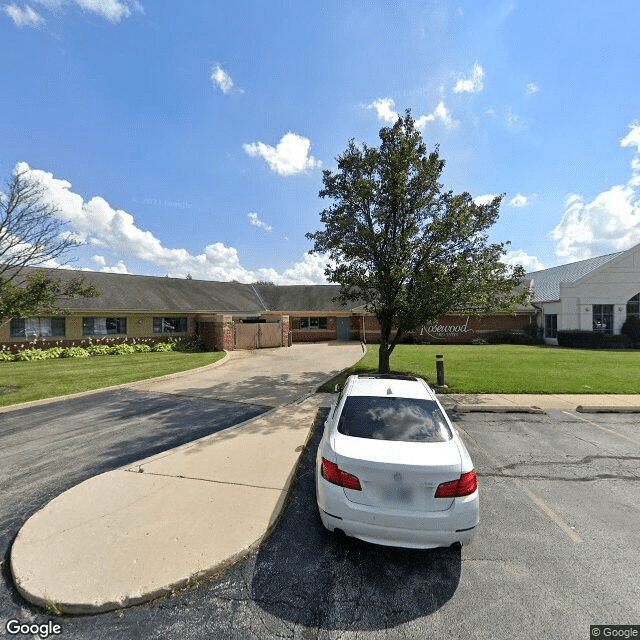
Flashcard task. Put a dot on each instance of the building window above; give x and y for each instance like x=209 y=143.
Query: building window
x=170 y=325
x=32 y=328
x=313 y=323
x=603 y=318
x=633 y=306
x=550 y=325
x=104 y=326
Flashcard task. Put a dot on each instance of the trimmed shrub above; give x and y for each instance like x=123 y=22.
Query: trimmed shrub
x=506 y=336
x=631 y=328
x=615 y=342
x=592 y=340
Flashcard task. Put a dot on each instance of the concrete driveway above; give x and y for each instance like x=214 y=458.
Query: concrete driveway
x=268 y=377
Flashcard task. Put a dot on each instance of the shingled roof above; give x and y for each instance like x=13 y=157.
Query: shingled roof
x=546 y=282
x=123 y=292
x=303 y=297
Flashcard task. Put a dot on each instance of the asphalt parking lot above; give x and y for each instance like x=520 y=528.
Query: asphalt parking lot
x=557 y=551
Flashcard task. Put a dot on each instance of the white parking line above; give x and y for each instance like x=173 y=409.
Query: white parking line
x=615 y=433
x=545 y=508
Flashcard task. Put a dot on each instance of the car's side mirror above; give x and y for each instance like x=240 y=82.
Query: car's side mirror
x=338 y=388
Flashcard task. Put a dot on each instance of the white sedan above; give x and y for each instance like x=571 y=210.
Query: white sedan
x=391 y=469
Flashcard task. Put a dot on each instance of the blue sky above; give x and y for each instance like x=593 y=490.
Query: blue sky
x=190 y=137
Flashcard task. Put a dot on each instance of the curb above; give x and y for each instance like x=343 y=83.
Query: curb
x=607 y=409
x=124 y=385
x=490 y=408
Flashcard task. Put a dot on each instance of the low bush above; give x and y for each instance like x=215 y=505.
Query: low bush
x=122 y=349
x=631 y=328
x=163 y=346
x=27 y=355
x=142 y=347
x=99 y=350
x=6 y=356
x=74 y=352
x=592 y=340
x=506 y=336
x=190 y=344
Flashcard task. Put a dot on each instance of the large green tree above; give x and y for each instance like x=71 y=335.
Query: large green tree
x=409 y=250
x=32 y=233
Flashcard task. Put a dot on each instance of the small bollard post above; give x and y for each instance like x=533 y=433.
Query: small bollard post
x=440 y=370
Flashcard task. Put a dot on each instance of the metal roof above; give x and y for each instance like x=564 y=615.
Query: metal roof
x=546 y=282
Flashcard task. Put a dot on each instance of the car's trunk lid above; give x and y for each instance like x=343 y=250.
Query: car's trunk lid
x=398 y=475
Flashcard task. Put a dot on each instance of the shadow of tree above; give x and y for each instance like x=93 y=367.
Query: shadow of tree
x=48 y=449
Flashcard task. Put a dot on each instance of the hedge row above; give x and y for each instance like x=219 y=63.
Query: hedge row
x=28 y=354
x=592 y=340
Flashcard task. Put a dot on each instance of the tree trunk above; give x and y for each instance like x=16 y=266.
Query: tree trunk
x=383 y=356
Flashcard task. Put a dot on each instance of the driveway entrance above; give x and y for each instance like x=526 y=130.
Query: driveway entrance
x=267 y=377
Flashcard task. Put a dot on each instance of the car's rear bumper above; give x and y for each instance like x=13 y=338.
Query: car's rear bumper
x=398 y=528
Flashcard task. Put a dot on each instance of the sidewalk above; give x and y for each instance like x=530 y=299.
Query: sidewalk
x=539 y=403
x=141 y=531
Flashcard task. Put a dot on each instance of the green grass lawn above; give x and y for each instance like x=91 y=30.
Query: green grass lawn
x=23 y=381
x=513 y=368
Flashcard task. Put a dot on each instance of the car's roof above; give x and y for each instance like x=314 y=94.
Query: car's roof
x=388 y=385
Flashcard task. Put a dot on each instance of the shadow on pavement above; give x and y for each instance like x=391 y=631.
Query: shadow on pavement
x=308 y=576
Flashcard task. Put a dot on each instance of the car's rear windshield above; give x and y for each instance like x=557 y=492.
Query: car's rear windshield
x=391 y=418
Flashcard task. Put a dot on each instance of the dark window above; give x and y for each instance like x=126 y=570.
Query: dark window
x=32 y=328
x=313 y=323
x=550 y=325
x=389 y=418
x=633 y=306
x=170 y=325
x=603 y=318
x=104 y=326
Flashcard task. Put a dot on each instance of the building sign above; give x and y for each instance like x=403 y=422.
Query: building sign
x=442 y=331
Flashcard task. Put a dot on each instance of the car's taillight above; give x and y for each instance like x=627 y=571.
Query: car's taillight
x=464 y=486
x=332 y=473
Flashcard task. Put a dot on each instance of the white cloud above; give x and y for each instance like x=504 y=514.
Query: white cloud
x=530 y=263
x=532 y=88
x=116 y=232
x=384 y=108
x=474 y=84
x=221 y=79
x=290 y=156
x=487 y=198
x=632 y=139
x=610 y=222
x=120 y=267
x=112 y=10
x=439 y=113
x=519 y=201
x=24 y=17
x=310 y=270
x=256 y=222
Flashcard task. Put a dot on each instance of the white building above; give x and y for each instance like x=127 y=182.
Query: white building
x=590 y=295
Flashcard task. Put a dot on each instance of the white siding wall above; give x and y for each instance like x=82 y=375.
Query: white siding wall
x=614 y=283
